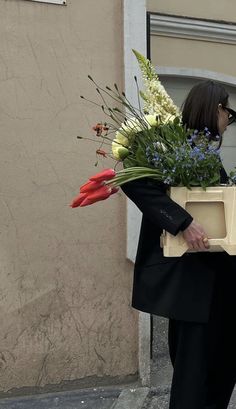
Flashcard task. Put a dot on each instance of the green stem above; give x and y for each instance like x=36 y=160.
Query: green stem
x=130 y=174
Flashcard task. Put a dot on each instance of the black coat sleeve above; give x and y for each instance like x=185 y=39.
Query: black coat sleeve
x=151 y=198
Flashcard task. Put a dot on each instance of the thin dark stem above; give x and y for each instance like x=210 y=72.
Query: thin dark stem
x=94 y=140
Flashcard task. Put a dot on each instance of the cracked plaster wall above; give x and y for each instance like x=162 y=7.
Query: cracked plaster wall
x=65 y=283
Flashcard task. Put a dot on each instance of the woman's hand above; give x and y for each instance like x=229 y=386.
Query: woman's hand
x=195 y=237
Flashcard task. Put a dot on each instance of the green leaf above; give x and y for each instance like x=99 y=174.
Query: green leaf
x=129 y=162
x=215 y=179
x=141 y=157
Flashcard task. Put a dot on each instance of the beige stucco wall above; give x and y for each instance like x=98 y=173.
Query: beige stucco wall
x=180 y=52
x=192 y=53
x=65 y=283
x=211 y=9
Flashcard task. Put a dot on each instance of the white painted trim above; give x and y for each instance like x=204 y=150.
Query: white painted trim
x=196 y=73
x=135 y=38
x=194 y=29
x=61 y=2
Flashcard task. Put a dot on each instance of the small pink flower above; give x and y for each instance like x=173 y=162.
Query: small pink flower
x=98 y=128
x=101 y=152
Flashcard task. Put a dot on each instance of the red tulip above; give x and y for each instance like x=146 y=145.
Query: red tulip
x=90 y=185
x=95 y=189
x=106 y=174
x=78 y=200
x=114 y=190
x=95 y=196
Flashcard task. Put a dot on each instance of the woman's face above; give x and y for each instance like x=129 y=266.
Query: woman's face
x=223 y=119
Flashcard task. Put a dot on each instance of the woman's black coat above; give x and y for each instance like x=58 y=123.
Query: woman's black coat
x=173 y=287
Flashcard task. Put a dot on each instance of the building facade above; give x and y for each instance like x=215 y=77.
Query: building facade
x=65 y=280
x=66 y=275
x=190 y=41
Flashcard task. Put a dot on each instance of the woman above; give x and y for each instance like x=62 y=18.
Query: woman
x=196 y=291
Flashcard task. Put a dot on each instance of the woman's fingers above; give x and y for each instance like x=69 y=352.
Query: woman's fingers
x=198 y=245
x=206 y=242
x=196 y=237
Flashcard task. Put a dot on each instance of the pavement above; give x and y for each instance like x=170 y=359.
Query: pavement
x=94 y=398
x=97 y=398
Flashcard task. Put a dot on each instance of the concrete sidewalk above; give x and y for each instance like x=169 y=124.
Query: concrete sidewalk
x=97 y=398
x=94 y=398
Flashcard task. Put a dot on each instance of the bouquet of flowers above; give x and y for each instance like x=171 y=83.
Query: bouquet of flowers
x=149 y=141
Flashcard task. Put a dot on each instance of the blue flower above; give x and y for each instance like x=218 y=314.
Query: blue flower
x=168 y=180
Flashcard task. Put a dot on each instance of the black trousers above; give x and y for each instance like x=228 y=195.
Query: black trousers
x=204 y=355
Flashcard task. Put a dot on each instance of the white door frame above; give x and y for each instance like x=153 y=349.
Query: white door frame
x=135 y=37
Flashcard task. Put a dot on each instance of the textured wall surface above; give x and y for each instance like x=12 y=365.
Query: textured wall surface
x=194 y=53
x=65 y=283
x=211 y=9
x=179 y=52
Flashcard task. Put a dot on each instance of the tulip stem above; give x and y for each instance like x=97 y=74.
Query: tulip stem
x=129 y=174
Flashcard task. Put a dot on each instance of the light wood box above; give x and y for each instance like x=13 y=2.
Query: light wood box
x=214 y=209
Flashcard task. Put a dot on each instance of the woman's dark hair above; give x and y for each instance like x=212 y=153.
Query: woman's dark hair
x=200 y=108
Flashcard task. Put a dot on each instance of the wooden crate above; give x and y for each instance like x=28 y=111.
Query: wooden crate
x=214 y=209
